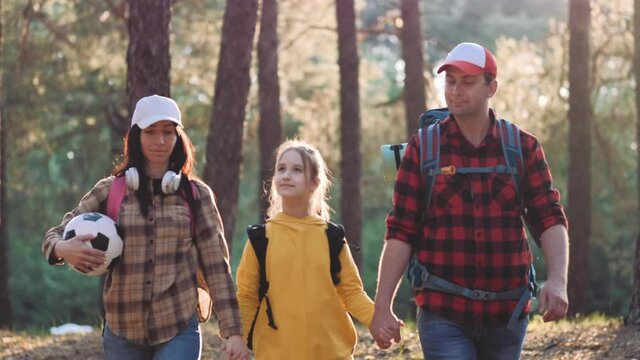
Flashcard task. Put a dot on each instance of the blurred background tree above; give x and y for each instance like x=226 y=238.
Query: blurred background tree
x=64 y=78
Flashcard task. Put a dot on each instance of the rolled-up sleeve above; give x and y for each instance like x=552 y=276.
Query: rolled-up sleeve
x=403 y=222
x=541 y=198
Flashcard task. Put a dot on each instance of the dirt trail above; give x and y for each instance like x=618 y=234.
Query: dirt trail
x=563 y=341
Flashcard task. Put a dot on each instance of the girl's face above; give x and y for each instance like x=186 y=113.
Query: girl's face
x=158 y=141
x=291 y=179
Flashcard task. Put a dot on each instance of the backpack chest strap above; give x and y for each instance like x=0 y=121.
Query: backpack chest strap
x=452 y=170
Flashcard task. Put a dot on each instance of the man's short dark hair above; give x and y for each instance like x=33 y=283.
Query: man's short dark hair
x=488 y=78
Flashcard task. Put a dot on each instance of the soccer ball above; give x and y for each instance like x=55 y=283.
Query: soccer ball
x=106 y=239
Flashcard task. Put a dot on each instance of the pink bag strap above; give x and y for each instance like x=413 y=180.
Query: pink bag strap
x=196 y=196
x=116 y=196
x=119 y=189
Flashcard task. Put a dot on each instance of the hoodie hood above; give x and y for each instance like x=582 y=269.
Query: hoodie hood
x=297 y=224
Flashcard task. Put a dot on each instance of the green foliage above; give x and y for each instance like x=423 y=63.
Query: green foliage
x=65 y=81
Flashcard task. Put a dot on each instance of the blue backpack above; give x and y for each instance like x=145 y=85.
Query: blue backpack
x=429 y=135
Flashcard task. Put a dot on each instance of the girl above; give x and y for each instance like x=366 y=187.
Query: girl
x=171 y=229
x=308 y=311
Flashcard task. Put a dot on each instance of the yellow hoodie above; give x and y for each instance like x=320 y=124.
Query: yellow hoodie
x=308 y=310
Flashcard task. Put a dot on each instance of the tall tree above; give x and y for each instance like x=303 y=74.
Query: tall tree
x=350 y=163
x=414 y=84
x=270 y=127
x=633 y=317
x=224 y=141
x=148 y=60
x=580 y=114
x=5 y=293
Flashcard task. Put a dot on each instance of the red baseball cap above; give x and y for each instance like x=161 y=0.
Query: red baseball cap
x=471 y=58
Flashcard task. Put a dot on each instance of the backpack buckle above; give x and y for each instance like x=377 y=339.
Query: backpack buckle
x=482 y=295
x=448 y=170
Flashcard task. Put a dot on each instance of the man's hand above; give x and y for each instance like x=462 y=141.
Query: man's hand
x=553 y=297
x=78 y=254
x=553 y=300
x=384 y=327
x=235 y=348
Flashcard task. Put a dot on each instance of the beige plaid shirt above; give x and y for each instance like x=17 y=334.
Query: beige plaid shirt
x=152 y=293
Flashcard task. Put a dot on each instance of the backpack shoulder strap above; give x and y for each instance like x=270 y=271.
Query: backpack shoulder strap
x=335 y=236
x=117 y=191
x=512 y=150
x=429 y=158
x=259 y=241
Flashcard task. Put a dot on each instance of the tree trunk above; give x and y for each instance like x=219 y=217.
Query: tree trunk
x=634 y=308
x=148 y=60
x=633 y=317
x=269 y=128
x=579 y=199
x=224 y=142
x=350 y=164
x=414 y=84
x=5 y=292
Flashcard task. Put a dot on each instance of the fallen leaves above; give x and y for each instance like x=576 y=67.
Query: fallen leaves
x=583 y=339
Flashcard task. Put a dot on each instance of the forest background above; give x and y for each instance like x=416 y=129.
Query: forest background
x=64 y=67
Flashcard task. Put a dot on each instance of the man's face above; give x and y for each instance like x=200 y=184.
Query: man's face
x=467 y=95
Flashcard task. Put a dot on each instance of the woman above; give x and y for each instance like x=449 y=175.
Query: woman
x=170 y=230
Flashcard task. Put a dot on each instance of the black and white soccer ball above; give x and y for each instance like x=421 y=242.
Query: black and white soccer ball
x=107 y=238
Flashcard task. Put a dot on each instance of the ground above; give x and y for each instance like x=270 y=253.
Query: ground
x=594 y=338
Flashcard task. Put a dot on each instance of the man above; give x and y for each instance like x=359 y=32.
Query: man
x=471 y=233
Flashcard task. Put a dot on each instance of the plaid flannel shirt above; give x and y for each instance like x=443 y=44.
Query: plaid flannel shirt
x=152 y=293
x=473 y=234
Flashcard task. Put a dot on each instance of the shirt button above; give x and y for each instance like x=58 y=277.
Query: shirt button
x=150 y=219
x=148 y=282
x=150 y=241
x=150 y=260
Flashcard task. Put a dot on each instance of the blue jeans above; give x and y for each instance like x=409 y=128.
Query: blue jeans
x=187 y=345
x=444 y=339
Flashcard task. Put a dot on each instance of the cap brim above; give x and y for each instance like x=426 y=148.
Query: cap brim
x=148 y=121
x=466 y=67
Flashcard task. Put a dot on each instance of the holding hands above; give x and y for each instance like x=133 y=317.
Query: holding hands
x=385 y=327
x=235 y=349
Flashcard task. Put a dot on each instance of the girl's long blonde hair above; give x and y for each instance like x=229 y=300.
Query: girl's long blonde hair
x=316 y=168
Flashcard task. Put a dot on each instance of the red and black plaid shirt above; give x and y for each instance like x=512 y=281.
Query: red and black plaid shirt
x=472 y=233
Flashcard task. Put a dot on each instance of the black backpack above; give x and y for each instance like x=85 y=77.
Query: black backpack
x=259 y=242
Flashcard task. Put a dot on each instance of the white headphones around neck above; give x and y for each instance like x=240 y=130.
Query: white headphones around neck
x=170 y=180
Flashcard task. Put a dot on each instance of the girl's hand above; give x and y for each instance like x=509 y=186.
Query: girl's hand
x=235 y=348
x=78 y=254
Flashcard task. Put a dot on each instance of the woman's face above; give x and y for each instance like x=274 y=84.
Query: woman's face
x=158 y=141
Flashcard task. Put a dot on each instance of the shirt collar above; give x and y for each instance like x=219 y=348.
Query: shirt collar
x=492 y=134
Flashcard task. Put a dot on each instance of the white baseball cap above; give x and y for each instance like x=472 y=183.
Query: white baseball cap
x=471 y=58
x=151 y=109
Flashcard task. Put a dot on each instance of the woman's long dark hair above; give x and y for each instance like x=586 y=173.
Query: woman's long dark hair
x=182 y=159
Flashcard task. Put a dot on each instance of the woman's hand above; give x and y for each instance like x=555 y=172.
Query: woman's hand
x=235 y=348
x=77 y=253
